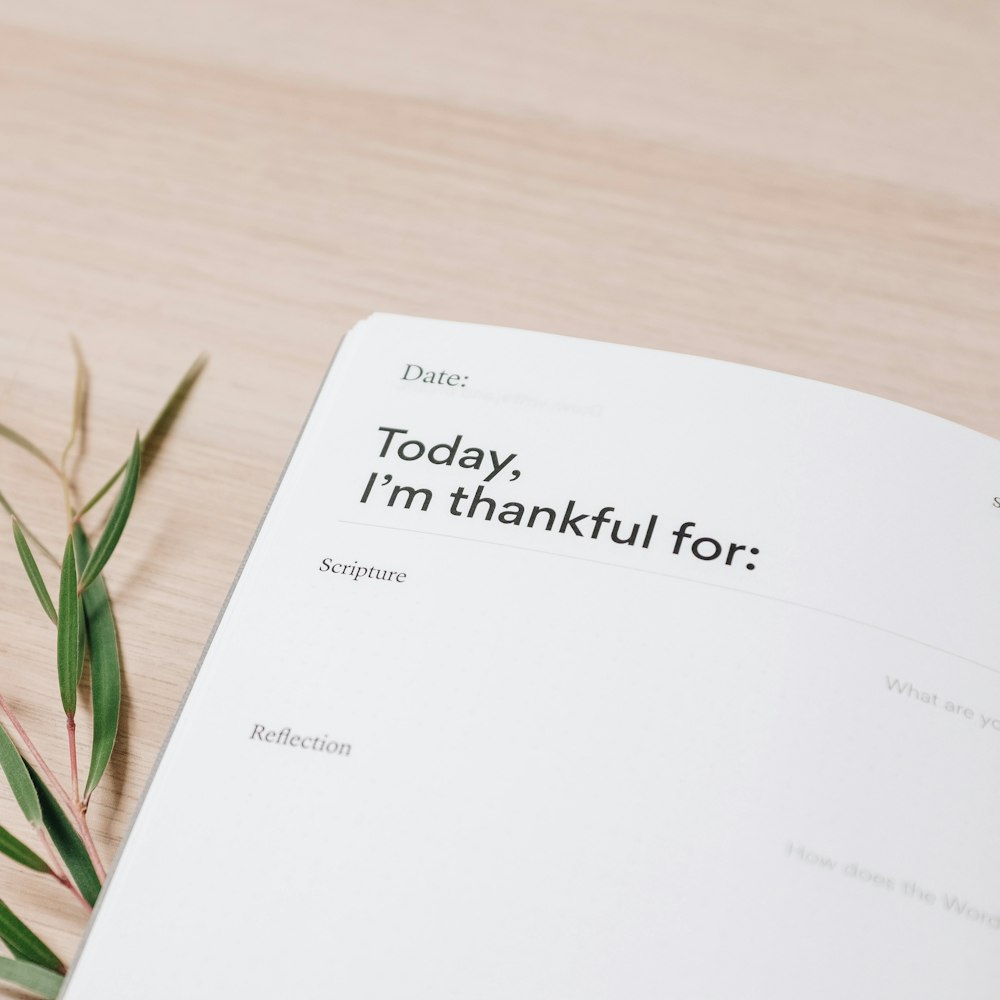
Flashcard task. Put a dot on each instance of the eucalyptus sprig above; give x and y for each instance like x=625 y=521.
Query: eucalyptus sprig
x=85 y=633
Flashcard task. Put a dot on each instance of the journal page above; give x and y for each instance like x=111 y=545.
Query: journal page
x=561 y=669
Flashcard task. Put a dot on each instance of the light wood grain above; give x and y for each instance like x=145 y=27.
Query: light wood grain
x=810 y=187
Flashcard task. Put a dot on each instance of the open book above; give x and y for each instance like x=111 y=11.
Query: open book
x=561 y=670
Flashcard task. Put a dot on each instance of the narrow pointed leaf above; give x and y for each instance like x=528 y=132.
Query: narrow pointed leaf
x=116 y=520
x=18 y=851
x=19 y=779
x=24 y=942
x=158 y=429
x=22 y=442
x=67 y=841
x=68 y=659
x=30 y=534
x=164 y=420
x=105 y=667
x=42 y=982
x=31 y=568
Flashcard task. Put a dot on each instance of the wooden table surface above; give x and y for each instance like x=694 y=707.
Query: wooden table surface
x=807 y=186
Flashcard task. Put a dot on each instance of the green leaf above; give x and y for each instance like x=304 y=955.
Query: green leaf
x=19 y=779
x=25 y=943
x=105 y=667
x=154 y=437
x=34 y=538
x=32 y=449
x=31 y=568
x=42 y=982
x=68 y=659
x=18 y=851
x=116 y=520
x=67 y=841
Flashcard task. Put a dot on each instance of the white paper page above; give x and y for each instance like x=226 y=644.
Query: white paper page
x=547 y=765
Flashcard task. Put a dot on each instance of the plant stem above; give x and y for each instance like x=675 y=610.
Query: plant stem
x=73 y=769
x=68 y=503
x=53 y=781
x=74 y=810
x=88 y=842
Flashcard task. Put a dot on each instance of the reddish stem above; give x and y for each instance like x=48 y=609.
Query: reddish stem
x=73 y=770
x=88 y=841
x=53 y=781
x=79 y=807
x=75 y=811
